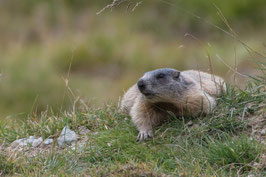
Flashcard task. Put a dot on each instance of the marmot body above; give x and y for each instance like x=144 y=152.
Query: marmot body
x=183 y=93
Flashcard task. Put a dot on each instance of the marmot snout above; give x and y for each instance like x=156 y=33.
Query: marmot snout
x=162 y=90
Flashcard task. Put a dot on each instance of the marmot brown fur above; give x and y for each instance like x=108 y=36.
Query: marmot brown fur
x=183 y=93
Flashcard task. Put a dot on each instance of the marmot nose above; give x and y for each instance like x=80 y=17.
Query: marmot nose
x=141 y=85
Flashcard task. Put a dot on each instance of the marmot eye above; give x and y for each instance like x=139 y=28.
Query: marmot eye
x=160 y=76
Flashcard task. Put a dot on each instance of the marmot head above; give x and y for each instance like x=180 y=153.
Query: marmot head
x=161 y=85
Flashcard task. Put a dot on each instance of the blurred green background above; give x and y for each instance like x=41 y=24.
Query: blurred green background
x=110 y=51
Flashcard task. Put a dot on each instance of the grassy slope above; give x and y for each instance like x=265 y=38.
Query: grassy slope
x=218 y=144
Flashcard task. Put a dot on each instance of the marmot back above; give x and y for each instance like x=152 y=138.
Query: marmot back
x=157 y=92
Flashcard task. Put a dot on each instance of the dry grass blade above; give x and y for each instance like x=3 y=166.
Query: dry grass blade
x=117 y=3
x=112 y=5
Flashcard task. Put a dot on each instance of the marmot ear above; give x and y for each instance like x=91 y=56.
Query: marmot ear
x=176 y=74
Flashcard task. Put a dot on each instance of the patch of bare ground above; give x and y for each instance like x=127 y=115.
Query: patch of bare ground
x=257 y=129
x=29 y=151
x=135 y=170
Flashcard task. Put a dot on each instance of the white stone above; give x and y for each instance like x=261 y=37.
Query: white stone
x=32 y=141
x=19 y=142
x=37 y=142
x=190 y=123
x=251 y=175
x=48 y=141
x=67 y=137
x=256 y=164
x=263 y=132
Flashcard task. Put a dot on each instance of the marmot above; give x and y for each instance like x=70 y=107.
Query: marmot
x=159 y=91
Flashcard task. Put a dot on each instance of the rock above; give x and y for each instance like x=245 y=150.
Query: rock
x=33 y=141
x=251 y=175
x=37 y=142
x=48 y=141
x=263 y=132
x=190 y=123
x=96 y=133
x=19 y=142
x=67 y=137
x=83 y=130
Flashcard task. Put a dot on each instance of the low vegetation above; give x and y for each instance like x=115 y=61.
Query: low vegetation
x=110 y=51
x=221 y=144
x=40 y=39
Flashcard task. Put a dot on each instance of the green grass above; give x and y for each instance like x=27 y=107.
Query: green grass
x=35 y=59
x=216 y=145
x=240 y=151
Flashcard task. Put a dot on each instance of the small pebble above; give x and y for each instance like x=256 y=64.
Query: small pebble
x=263 y=132
x=37 y=142
x=32 y=140
x=190 y=123
x=48 y=141
x=251 y=175
x=67 y=137
x=255 y=164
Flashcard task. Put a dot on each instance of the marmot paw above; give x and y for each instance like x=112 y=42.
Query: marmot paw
x=143 y=135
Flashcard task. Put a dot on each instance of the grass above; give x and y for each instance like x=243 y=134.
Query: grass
x=239 y=151
x=217 y=145
x=221 y=144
